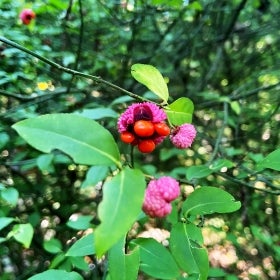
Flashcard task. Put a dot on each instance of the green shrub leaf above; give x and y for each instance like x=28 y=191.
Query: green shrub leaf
x=97 y=113
x=218 y=164
x=186 y=247
x=44 y=162
x=5 y=221
x=149 y=76
x=123 y=196
x=86 y=141
x=52 y=246
x=209 y=200
x=56 y=274
x=23 y=233
x=94 y=175
x=197 y=171
x=79 y=222
x=271 y=161
x=122 y=266
x=10 y=195
x=180 y=111
x=82 y=247
x=155 y=259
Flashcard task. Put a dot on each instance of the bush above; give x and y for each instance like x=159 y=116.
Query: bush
x=71 y=191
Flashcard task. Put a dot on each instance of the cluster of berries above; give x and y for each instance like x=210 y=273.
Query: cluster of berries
x=26 y=16
x=159 y=195
x=143 y=125
x=143 y=133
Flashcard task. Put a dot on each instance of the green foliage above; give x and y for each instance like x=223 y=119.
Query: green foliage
x=123 y=266
x=53 y=246
x=180 y=111
x=23 y=233
x=198 y=171
x=186 y=243
x=124 y=191
x=156 y=260
x=66 y=78
x=53 y=273
x=151 y=78
x=63 y=132
x=82 y=247
x=5 y=221
x=9 y=195
x=209 y=200
x=79 y=222
x=271 y=161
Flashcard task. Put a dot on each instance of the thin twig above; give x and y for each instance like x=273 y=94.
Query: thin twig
x=17 y=96
x=79 y=50
x=220 y=134
x=241 y=183
x=96 y=79
x=233 y=20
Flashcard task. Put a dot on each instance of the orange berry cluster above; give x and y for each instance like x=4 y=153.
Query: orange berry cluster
x=143 y=133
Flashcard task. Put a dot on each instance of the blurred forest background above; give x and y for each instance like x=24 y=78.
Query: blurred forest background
x=223 y=55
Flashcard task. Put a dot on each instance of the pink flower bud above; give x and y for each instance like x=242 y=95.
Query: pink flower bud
x=158 y=196
x=167 y=187
x=26 y=16
x=155 y=206
x=183 y=136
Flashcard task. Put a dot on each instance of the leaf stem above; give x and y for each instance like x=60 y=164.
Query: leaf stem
x=132 y=156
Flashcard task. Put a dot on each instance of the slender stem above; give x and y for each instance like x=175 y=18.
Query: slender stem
x=132 y=156
x=71 y=71
x=16 y=96
x=242 y=183
x=79 y=49
x=220 y=134
x=34 y=96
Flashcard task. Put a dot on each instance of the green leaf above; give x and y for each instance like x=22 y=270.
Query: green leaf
x=155 y=259
x=2 y=239
x=218 y=164
x=122 y=266
x=79 y=222
x=86 y=141
x=94 y=175
x=10 y=195
x=180 y=111
x=116 y=261
x=80 y=263
x=198 y=171
x=52 y=274
x=82 y=247
x=97 y=113
x=170 y=3
x=57 y=260
x=5 y=221
x=44 y=162
x=186 y=247
x=216 y=272
x=235 y=107
x=271 y=161
x=209 y=200
x=52 y=246
x=123 y=196
x=132 y=262
x=23 y=233
x=4 y=139
x=149 y=76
